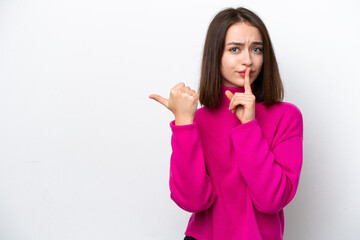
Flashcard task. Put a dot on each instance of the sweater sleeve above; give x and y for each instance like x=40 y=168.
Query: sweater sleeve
x=272 y=175
x=190 y=185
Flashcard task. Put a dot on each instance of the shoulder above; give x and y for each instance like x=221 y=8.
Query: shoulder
x=281 y=110
x=291 y=112
x=290 y=109
x=281 y=120
x=204 y=111
x=200 y=113
x=290 y=120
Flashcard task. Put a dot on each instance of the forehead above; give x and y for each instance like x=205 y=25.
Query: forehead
x=242 y=32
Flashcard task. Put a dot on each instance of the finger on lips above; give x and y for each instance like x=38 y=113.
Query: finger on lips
x=247 y=81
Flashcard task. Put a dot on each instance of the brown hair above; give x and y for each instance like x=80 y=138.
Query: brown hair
x=267 y=87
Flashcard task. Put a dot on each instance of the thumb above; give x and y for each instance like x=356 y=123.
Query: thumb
x=160 y=99
x=229 y=94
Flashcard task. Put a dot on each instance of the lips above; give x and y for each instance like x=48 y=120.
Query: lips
x=242 y=73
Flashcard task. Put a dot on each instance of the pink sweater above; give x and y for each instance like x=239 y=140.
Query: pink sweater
x=237 y=178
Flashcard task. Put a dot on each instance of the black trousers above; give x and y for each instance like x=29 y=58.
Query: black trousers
x=189 y=238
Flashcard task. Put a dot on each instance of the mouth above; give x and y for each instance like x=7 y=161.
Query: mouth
x=242 y=73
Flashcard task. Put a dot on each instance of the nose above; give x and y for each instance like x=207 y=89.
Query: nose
x=246 y=58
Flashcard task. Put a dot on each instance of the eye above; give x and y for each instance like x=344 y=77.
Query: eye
x=234 y=49
x=258 y=50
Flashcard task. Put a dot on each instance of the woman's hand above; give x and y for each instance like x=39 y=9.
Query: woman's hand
x=243 y=103
x=182 y=103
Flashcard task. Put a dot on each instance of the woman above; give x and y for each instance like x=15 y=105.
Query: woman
x=236 y=161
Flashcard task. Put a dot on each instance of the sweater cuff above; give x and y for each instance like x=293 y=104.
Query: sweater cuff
x=182 y=129
x=186 y=126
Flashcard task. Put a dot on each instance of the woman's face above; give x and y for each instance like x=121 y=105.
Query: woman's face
x=243 y=49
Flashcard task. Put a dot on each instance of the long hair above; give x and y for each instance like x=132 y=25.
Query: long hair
x=267 y=88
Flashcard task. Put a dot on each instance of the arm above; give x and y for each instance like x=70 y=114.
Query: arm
x=190 y=186
x=273 y=175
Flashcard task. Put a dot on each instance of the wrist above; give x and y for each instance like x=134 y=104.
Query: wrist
x=183 y=120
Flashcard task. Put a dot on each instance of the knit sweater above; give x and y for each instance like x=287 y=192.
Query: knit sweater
x=236 y=178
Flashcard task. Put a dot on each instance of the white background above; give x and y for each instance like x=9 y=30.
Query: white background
x=84 y=153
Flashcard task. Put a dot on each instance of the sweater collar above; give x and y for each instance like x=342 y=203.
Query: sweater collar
x=232 y=89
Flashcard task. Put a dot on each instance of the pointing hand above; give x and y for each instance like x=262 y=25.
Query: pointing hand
x=182 y=103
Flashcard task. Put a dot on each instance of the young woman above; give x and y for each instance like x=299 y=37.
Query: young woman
x=236 y=161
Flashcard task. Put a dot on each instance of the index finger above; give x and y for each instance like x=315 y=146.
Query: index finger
x=247 y=81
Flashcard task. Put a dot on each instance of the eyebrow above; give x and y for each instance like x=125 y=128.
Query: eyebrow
x=242 y=44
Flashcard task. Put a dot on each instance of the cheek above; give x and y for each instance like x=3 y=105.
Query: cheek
x=227 y=62
x=224 y=65
x=260 y=62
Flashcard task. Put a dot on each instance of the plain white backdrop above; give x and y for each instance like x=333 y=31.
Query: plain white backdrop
x=84 y=153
